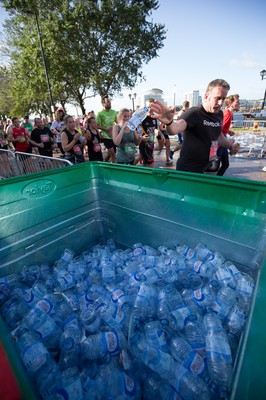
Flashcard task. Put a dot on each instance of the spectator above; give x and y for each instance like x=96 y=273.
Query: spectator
x=43 y=138
x=202 y=127
x=27 y=125
x=57 y=126
x=93 y=140
x=232 y=105
x=125 y=139
x=19 y=137
x=72 y=141
x=146 y=147
x=105 y=120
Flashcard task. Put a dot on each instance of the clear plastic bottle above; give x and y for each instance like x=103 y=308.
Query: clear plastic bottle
x=187 y=356
x=33 y=352
x=155 y=335
x=195 y=335
x=156 y=359
x=188 y=385
x=35 y=293
x=71 y=384
x=224 y=301
x=108 y=269
x=6 y=285
x=218 y=353
x=103 y=343
x=245 y=286
x=137 y=118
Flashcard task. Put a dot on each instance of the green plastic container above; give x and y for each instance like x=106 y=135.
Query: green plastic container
x=80 y=206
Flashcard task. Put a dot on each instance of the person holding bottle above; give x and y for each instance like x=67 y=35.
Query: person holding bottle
x=125 y=139
x=93 y=140
x=146 y=147
x=72 y=141
x=202 y=126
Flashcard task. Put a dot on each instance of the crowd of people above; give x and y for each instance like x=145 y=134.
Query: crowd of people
x=105 y=136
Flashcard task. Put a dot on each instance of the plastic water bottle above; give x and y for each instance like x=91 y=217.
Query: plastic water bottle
x=156 y=388
x=108 y=269
x=45 y=327
x=218 y=352
x=224 y=277
x=137 y=118
x=6 y=285
x=113 y=383
x=29 y=274
x=35 y=293
x=155 y=335
x=156 y=359
x=180 y=317
x=188 y=385
x=71 y=383
x=202 y=268
x=65 y=258
x=223 y=302
x=245 y=286
x=71 y=336
x=33 y=352
x=103 y=343
x=187 y=356
x=195 y=335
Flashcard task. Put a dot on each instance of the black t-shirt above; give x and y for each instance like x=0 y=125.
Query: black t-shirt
x=203 y=130
x=44 y=136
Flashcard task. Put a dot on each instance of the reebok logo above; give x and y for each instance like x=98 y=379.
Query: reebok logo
x=212 y=124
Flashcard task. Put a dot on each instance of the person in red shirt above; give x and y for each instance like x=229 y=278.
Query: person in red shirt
x=232 y=105
x=19 y=137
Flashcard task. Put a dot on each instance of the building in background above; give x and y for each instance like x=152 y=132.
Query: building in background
x=156 y=94
x=194 y=98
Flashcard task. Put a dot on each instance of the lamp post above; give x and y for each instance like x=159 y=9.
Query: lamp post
x=43 y=57
x=174 y=94
x=263 y=74
x=133 y=98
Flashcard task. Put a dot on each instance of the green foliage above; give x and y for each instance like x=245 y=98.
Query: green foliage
x=7 y=103
x=91 y=47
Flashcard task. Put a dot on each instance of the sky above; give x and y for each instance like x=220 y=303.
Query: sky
x=205 y=40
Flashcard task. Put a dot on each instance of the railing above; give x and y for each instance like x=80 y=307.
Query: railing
x=18 y=163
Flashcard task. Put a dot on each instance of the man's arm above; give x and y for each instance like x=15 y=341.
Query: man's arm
x=228 y=144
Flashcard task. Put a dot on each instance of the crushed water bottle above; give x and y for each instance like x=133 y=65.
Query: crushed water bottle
x=137 y=118
x=218 y=353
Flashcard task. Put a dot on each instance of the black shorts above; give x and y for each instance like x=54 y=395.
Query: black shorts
x=109 y=144
x=166 y=136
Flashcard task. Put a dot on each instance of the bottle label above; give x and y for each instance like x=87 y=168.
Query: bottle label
x=197 y=266
x=199 y=295
x=111 y=342
x=197 y=365
x=129 y=386
x=45 y=305
x=4 y=287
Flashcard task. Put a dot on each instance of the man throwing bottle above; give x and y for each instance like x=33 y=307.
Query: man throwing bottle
x=202 y=127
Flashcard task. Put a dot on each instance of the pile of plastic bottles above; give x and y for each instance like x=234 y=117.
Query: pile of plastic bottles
x=140 y=323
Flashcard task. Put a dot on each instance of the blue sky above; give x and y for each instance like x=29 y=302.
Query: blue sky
x=205 y=40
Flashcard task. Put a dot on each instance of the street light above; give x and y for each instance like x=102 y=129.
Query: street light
x=133 y=98
x=43 y=56
x=263 y=74
x=174 y=94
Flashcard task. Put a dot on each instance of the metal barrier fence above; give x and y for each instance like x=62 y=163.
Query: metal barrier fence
x=18 y=163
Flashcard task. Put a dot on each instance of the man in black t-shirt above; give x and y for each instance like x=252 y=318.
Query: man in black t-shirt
x=202 y=127
x=43 y=138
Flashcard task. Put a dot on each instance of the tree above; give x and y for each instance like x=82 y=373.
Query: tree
x=7 y=103
x=91 y=47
